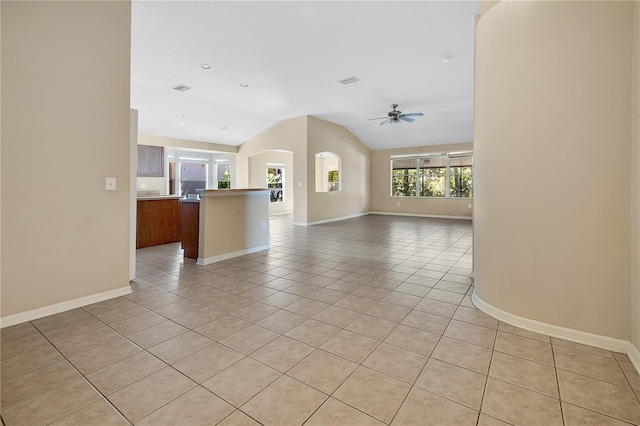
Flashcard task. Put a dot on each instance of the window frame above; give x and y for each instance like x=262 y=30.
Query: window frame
x=281 y=182
x=333 y=183
x=189 y=160
x=211 y=159
x=217 y=182
x=322 y=172
x=447 y=156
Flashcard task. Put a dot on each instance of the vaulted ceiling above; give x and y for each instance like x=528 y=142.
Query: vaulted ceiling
x=290 y=55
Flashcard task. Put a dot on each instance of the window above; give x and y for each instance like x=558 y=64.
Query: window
x=223 y=175
x=404 y=177
x=436 y=175
x=460 y=177
x=192 y=176
x=275 y=182
x=333 y=182
x=327 y=172
x=190 y=170
x=432 y=176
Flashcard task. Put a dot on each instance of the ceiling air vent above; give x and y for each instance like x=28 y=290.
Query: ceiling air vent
x=349 y=80
x=181 y=88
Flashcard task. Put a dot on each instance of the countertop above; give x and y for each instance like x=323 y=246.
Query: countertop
x=156 y=197
x=234 y=191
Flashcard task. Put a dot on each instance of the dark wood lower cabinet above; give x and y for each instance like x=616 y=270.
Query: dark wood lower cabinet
x=190 y=228
x=157 y=222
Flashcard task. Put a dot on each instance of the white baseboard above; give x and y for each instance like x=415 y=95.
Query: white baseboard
x=596 y=340
x=280 y=213
x=634 y=356
x=435 y=216
x=221 y=257
x=34 y=314
x=333 y=219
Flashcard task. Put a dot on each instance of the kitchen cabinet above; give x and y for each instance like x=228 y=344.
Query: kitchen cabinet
x=158 y=221
x=150 y=161
x=190 y=227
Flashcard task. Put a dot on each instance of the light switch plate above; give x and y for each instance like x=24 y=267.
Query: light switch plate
x=110 y=184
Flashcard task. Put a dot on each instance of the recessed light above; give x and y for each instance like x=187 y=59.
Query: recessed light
x=180 y=116
x=349 y=80
x=205 y=66
x=181 y=88
x=182 y=123
x=223 y=127
x=244 y=85
x=446 y=59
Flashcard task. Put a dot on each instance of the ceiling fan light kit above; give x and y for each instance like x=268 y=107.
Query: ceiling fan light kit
x=395 y=117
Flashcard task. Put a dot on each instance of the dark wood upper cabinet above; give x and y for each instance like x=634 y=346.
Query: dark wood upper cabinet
x=150 y=161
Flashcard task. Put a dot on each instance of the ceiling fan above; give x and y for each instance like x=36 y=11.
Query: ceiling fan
x=395 y=116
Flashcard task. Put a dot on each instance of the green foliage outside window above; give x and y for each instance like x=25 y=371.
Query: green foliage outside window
x=404 y=183
x=432 y=182
x=461 y=182
x=332 y=180
x=435 y=176
x=275 y=184
x=224 y=176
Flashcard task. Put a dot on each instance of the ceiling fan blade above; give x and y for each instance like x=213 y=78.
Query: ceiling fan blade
x=379 y=118
x=385 y=121
x=407 y=119
x=413 y=114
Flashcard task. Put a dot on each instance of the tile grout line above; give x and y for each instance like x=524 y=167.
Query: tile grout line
x=422 y=369
x=83 y=377
x=555 y=370
x=166 y=365
x=636 y=394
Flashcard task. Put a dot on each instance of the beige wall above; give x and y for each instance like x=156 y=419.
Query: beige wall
x=65 y=116
x=133 y=205
x=353 y=197
x=554 y=77
x=152 y=184
x=288 y=135
x=635 y=181
x=485 y=5
x=232 y=223
x=382 y=201
x=258 y=177
x=144 y=139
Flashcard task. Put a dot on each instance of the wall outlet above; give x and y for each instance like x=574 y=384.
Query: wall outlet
x=264 y=226
x=143 y=186
x=469 y=205
x=300 y=183
x=333 y=207
x=110 y=184
x=397 y=203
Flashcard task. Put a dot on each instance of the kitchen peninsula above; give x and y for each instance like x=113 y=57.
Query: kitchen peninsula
x=227 y=222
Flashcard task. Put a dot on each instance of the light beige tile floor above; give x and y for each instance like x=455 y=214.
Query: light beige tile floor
x=358 y=322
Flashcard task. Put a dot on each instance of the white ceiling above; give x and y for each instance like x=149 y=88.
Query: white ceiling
x=291 y=55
